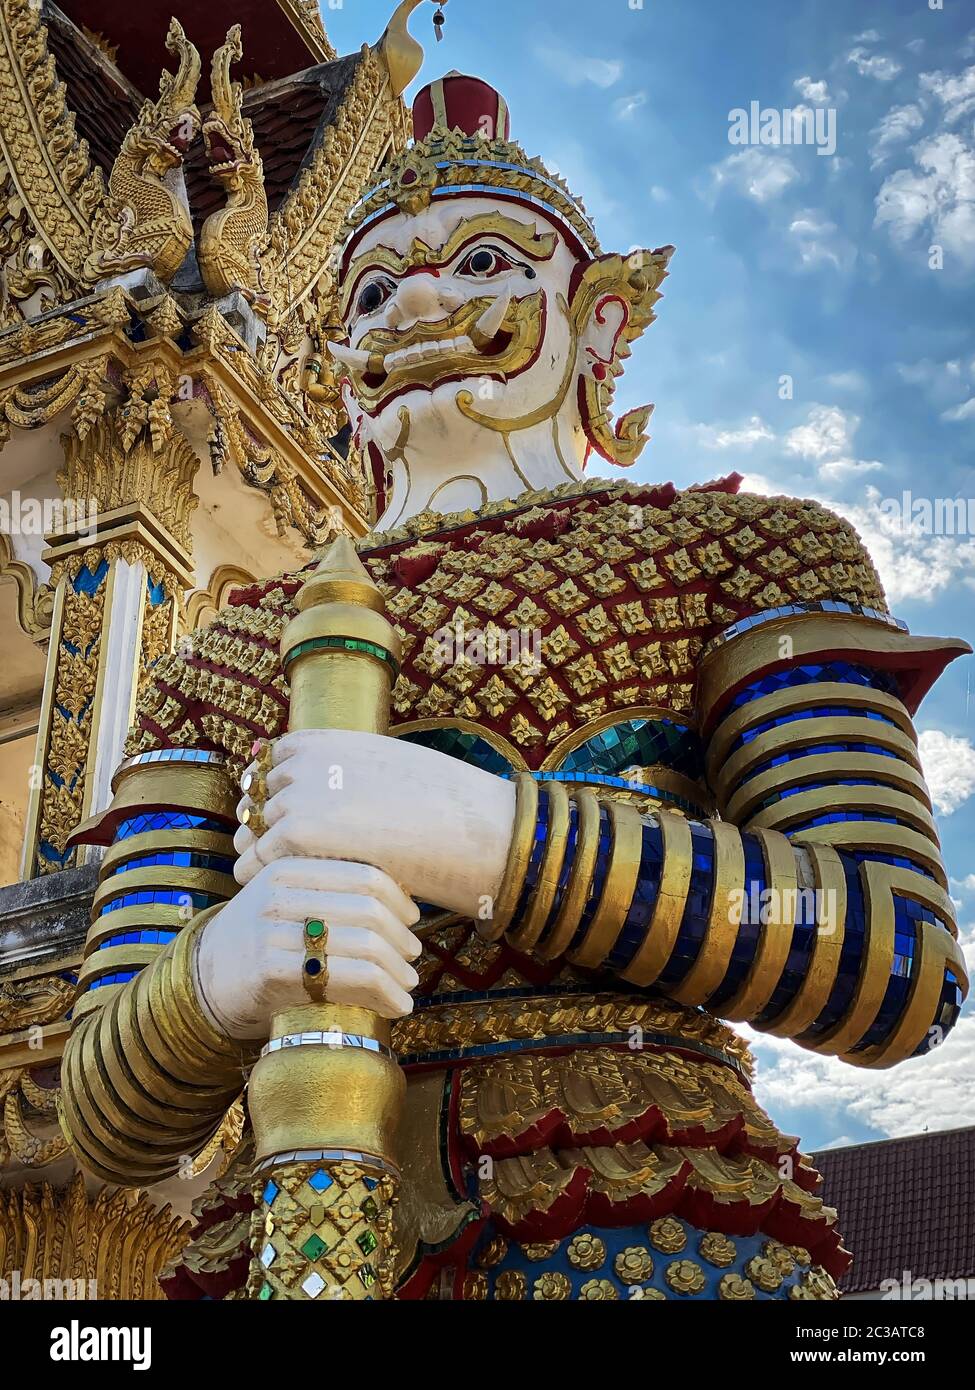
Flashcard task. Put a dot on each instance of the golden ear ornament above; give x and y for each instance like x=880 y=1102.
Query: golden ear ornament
x=634 y=280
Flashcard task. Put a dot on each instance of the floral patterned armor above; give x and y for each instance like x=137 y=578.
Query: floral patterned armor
x=721 y=816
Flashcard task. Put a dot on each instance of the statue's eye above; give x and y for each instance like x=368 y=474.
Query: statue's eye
x=373 y=296
x=483 y=263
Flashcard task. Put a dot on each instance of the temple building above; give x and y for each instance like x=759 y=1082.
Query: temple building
x=172 y=189
x=253 y=311
x=921 y=1249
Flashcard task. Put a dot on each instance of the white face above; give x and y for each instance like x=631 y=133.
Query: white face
x=459 y=311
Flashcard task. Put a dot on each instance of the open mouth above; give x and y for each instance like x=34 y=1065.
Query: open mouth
x=442 y=351
x=179 y=139
x=219 y=154
x=478 y=339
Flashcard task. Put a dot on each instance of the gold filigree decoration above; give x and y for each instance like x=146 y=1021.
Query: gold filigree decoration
x=304 y=229
x=37 y=1000
x=136 y=458
x=112 y=1246
x=224 y=1142
x=339 y=1238
x=66 y=756
x=449 y=157
x=635 y=281
x=231 y=441
x=35 y=602
x=17 y=1140
x=52 y=167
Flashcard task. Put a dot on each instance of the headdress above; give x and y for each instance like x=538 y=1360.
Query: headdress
x=462 y=146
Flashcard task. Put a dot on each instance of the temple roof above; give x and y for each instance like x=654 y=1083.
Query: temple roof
x=289 y=115
x=904 y=1204
x=280 y=36
x=105 y=103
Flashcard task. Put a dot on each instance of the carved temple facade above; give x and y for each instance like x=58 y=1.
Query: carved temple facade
x=173 y=183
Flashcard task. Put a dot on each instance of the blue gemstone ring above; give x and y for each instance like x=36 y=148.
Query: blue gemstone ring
x=314 y=970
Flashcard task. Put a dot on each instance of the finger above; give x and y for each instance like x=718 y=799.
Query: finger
x=244 y=838
x=344 y=876
x=350 y=942
x=248 y=865
x=293 y=744
x=366 y=916
x=366 y=986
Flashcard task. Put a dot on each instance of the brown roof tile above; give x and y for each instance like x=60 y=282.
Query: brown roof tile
x=273 y=45
x=904 y=1205
x=104 y=102
x=289 y=118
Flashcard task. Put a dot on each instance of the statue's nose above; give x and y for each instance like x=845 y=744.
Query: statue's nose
x=418 y=298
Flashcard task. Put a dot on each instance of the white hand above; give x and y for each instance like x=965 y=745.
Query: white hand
x=249 y=961
x=437 y=826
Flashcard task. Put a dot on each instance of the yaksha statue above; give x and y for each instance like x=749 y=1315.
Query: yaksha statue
x=648 y=769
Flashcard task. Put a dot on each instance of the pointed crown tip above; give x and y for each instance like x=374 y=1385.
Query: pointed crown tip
x=340 y=561
x=340 y=577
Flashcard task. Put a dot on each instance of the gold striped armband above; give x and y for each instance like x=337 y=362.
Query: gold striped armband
x=169 y=832
x=810 y=743
x=146 y=1080
x=572 y=871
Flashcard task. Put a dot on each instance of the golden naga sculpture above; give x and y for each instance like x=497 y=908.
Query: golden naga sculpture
x=233 y=239
x=146 y=224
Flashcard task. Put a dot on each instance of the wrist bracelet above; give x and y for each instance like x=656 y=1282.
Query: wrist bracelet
x=620 y=885
x=519 y=857
x=525 y=935
x=559 y=936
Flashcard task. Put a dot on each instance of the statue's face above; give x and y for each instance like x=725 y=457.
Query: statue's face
x=446 y=308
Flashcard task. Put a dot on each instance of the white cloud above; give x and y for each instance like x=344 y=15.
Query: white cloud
x=965 y=411
x=929 y=373
x=911 y=563
x=842 y=469
x=755 y=432
x=937 y=198
x=760 y=485
x=820 y=241
x=923 y=1093
x=756 y=173
x=943 y=383
x=659 y=195
x=816 y=92
x=956 y=92
x=578 y=68
x=949 y=769
x=877 y=65
x=827 y=434
x=846 y=381
x=626 y=107
x=899 y=124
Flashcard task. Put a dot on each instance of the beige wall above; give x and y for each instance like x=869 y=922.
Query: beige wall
x=16 y=758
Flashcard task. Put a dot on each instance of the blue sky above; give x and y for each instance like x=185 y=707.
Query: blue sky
x=789 y=263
